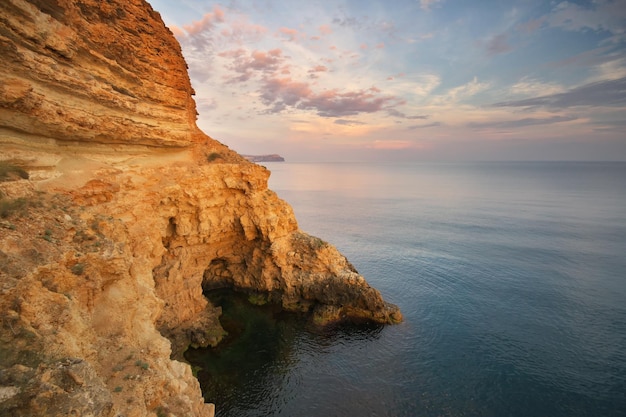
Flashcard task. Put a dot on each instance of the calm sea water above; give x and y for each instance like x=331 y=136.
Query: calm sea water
x=511 y=278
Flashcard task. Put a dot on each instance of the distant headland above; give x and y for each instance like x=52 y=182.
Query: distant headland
x=264 y=158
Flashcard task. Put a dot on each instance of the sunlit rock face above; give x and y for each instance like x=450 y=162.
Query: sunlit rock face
x=92 y=71
x=127 y=214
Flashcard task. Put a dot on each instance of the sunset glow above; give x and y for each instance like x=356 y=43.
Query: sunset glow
x=423 y=80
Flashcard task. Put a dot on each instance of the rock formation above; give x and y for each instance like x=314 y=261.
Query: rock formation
x=129 y=211
x=264 y=158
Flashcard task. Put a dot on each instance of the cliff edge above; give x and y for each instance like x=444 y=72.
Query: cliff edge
x=116 y=212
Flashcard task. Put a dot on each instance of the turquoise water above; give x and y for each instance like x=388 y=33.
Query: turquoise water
x=511 y=278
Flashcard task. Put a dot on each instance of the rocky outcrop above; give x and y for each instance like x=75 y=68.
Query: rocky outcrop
x=91 y=72
x=264 y=158
x=127 y=214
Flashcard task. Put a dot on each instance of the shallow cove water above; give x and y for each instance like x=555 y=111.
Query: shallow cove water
x=511 y=278
x=247 y=373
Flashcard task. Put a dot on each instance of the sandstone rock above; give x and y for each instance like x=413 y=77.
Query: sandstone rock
x=128 y=214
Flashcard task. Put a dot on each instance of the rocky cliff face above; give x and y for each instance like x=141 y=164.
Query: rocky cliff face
x=127 y=214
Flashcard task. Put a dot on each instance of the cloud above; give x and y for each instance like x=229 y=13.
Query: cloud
x=434 y=124
x=334 y=104
x=609 y=70
x=607 y=15
x=424 y=84
x=347 y=122
x=205 y=105
x=292 y=34
x=589 y=57
x=313 y=72
x=601 y=93
x=244 y=64
x=617 y=126
x=319 y=68
x=427 y=4
x=199 y=33
x=325 y=30
x=397 y=113
x=457 y=94
x=529 y=121
x=531 y=87
x=532 y=26
x=207 y=22
x=498 y=45
x=421 y=38
x=281 y=93
x=348 y=22
x=366 y=24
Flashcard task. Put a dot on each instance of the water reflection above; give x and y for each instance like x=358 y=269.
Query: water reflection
x=252 y=370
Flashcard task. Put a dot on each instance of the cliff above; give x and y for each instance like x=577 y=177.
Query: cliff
x=116 y=212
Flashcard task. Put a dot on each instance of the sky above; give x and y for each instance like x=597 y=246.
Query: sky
x=431 y=80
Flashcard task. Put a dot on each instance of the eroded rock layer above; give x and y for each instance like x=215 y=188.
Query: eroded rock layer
x=116 y=212
x=92 y=71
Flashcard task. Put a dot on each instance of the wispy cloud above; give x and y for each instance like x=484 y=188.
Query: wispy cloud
x=528 y=86
x=428 y=4
x=401 y=115
x=529 y=121
x=603 y=93
x=291 y=35
x=208 y=21
x=347 y=122
x=367 y=73
x=325 y=29
x=461 y=93
x=497 y=45
x=608 y=15
x=434 y=124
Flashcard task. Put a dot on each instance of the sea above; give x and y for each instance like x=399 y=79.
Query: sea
x=511 y=277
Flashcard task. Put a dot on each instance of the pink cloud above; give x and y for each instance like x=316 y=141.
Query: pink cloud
x=363 y=46
x=242 y=31
x=246 y=65
x=233 y=53
x=380 y=45
x=283 y=92
x=178 y=32
x=207 y=22
x=319 y=68
x=292 y=34
x=280 y=93
x=325 y=30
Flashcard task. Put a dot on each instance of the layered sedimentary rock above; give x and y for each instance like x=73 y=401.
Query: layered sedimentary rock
x=120 y=77
x=129 y=212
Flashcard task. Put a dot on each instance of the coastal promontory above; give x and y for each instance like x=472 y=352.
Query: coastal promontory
x=117 y=212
